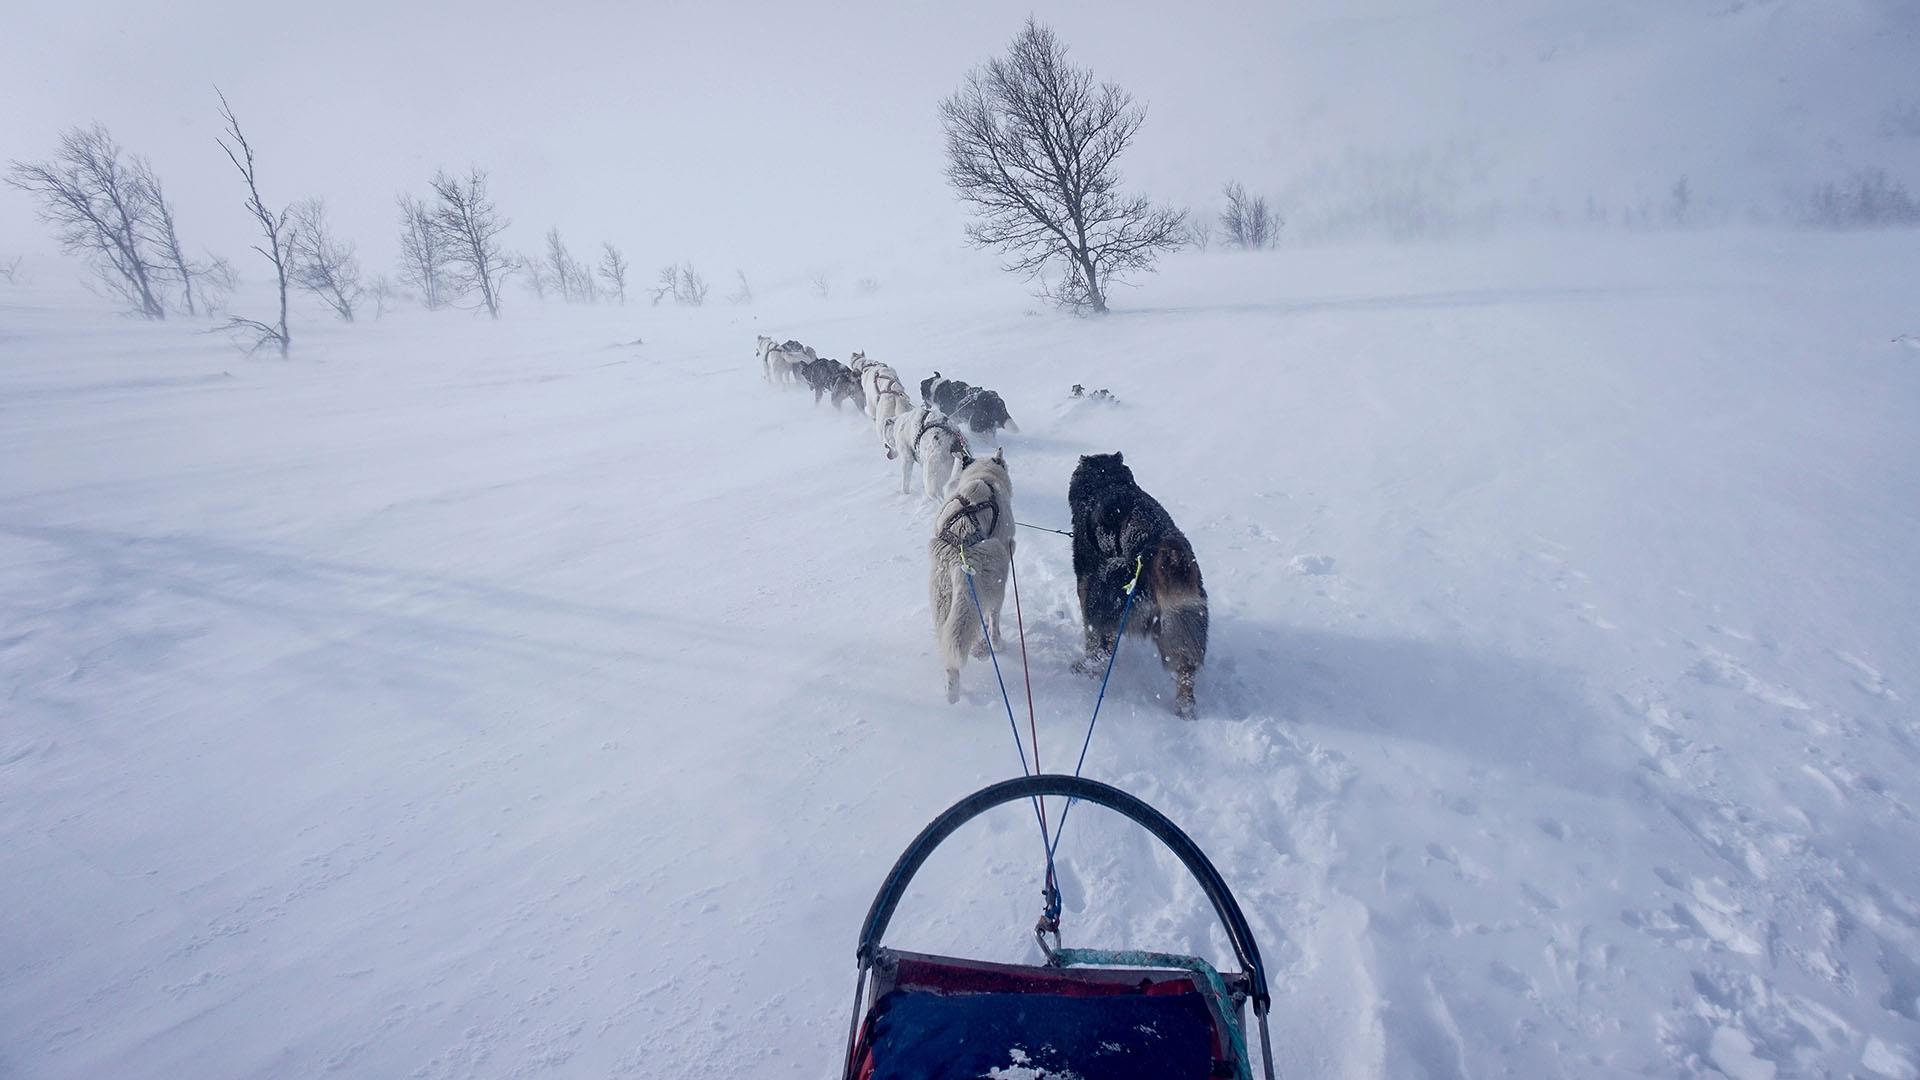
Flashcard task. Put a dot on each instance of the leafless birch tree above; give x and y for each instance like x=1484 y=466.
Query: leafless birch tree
x=667 y=283
x=562 y=272
x=1247 y=222
x=423 y=253
x=273 y=229
x=534 y=275
x=1033 y=145
x=613 y=270
x=165 y=236
x=381 y=291
x=323 y=264
x=693 y=287
x=743 y=294
x=101 y=211
x=468 y=219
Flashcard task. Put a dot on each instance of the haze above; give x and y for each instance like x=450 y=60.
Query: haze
x=777 y=137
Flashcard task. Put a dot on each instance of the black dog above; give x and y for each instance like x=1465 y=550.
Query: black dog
x=1117 y=528
x=827 y=376
x=977 y=407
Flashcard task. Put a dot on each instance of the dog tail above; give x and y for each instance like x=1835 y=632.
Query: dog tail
x=1181 y=598
x=962 y=627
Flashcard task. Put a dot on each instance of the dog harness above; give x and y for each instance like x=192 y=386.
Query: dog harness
x=968 y=510
x=940 y=424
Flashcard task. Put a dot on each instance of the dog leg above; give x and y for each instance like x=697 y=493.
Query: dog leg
x=1099 y=653
x=906 y=471
x=1183 y=706
x=953 y=686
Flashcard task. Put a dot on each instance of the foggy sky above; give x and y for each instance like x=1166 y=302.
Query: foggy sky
x=778 y=136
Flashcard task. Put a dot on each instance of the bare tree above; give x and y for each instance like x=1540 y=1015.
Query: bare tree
x=535 y=275
x=172 y=261
x=613 y=269
x=693 y=287
x=1033 y=145
x=100 y=210
x=820 y=283
x=322 y=264
x=466 y=216
x=867 y=286
x=563 y=271
x=743 y=294
x=217 y=280
x=1199 y=233
x=383 y=293
x=666 y=284
x=423 y=253
x=1247 y=222
x=273 y=228
x=10 y=269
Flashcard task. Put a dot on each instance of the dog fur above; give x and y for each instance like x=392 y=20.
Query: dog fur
x=829 y=376
x=925 y=438
x=877 y=381
x=974 y=528
x=887 y=407
x=779 y=360
x=1114 y=524
x=980 y=409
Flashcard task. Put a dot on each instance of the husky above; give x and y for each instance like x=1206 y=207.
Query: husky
x=778 y=360
x=973 y=531
x=886 y=407
x=924 y=437
x=828 y=376
x=975 y=406
x=1118 y=528
x=877 y=380
x=858 y=362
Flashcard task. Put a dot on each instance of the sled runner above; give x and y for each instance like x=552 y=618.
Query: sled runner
x=1085 y=1013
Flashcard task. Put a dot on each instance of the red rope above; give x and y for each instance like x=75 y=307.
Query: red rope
x=1026 y=672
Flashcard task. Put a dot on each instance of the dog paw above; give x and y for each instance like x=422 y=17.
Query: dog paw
x=980 y=650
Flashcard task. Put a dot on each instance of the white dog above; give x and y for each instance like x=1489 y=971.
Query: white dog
x=972 y=532
x=778 y=361
x=924 y=437
x=892 y=404
x=877 y=379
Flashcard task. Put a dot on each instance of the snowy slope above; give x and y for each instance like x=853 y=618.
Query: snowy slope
x=472 y=700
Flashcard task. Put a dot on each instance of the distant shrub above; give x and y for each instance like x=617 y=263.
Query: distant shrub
x=1869 y=199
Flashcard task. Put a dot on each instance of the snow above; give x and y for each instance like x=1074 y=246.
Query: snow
x=461 y=699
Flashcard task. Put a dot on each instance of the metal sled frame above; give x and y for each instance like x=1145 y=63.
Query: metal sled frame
x=1079 y=974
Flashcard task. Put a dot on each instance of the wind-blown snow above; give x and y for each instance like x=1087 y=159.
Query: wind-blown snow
x=462 y=699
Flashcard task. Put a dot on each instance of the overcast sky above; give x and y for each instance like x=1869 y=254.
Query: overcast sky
x=776 y=136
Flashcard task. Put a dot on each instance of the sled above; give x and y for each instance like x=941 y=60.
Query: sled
x=1092 y=1014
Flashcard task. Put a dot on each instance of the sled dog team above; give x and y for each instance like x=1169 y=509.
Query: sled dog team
x=1121 y=535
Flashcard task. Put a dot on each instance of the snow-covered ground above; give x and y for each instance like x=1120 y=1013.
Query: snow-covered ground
x=462 y=699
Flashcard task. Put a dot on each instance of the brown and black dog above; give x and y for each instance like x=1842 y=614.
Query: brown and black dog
x=1117 y=526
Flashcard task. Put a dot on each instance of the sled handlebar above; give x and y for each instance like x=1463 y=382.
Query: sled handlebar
x=1093 y=791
